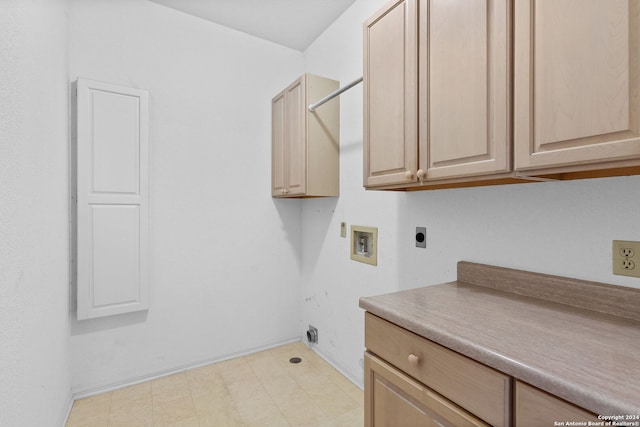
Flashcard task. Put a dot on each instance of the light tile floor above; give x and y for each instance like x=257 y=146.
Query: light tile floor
x=262 y=389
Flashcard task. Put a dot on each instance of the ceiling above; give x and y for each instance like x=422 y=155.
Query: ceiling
x=292 y=23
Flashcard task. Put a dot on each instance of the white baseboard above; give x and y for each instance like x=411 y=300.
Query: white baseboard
x=81 y=393
x=337 y=367
x=91 y=391
x=69 y=405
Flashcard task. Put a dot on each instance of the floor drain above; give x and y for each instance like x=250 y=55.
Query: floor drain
x=295 y=360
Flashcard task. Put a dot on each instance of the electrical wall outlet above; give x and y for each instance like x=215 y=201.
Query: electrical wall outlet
x=626 y=258
x=343 y=229
x=421 y=237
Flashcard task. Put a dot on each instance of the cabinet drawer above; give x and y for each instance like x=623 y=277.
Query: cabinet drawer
x=477 y=388
x=394 y=399
x=534 y=408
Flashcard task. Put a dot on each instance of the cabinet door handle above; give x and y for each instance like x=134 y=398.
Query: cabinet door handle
x=421 y=174
x=408 y=175
x=413 y=359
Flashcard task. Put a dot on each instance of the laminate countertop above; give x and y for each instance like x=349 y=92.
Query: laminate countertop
x=588 y=358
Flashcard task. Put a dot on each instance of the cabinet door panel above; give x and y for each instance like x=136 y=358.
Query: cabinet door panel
x=390 y=95
x=577 y=84
x=116 y=147
x=395 y=399
x=535 y=408
x=277 y=145
x=464 y=88
x=295 y=137
x=115 y=258
x=578 y=94
x=113 y=199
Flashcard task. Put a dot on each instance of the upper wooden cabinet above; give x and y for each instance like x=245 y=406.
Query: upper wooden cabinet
x=577 y=84
x=439 y=110
x=305 y=145
x=437 y=90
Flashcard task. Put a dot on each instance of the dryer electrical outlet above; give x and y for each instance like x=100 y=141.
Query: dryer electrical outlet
x=421 y=237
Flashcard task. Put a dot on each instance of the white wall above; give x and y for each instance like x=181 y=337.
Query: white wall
x=225 y=257
x=563 y=228
x=34 y=271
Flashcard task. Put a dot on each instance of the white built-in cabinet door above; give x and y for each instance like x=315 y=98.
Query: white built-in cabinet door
x=113 y=199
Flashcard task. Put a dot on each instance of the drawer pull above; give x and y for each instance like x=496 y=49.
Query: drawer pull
x=413 y=359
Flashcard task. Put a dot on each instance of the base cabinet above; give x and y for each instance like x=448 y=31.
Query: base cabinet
x=414 y=377
x=534 y=408
x=412 y=381
x=395 y=399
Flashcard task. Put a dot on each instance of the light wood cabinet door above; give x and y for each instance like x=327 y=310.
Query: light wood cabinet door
x=295 y=138
x=464 y=80
x=391 y=95
x=577 y=83
x=278 y=130
x=534 y=408
x=288 y=144
x=305 y=145
x=395 y=399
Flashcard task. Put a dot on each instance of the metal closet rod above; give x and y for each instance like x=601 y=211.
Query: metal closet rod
x=332 y=95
